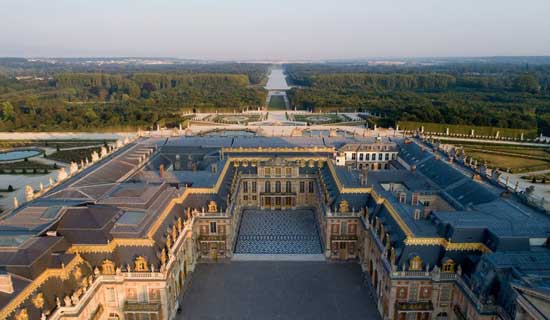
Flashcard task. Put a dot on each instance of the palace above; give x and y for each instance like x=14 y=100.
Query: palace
x=120 y=239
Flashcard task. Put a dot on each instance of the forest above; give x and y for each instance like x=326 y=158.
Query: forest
x=83 y=101
x=81 y=94
x=504 y=95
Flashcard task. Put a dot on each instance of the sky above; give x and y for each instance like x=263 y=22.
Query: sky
x=274 y=29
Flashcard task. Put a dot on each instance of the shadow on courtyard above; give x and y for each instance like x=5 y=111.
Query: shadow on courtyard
x=277 y=290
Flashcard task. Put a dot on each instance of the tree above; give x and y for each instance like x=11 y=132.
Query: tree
x=7 y=112
x=527 y=82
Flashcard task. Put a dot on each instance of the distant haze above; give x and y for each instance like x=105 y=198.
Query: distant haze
x=274 y=29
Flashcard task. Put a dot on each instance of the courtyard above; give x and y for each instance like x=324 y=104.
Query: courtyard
x=278 y=232
x=277 y=290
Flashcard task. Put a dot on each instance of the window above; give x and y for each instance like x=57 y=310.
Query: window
x=361 y=157
x=393 y=155
x=351 y=248
x=401 y=292
x=425 y=293
x=445 y=294
x=267 y=201
x=288 y=187
x=213 y=227
x=131 y=294
x=373 y=156
x=288 y=171
x=278 y=186
x=311 y=187
x=277 y=171
x=353 y=155
x=110 y=295
x=245 y=197
x=380 y=156
x=254 y=198
x=288 y=201
x=368 y=157
x=387 y=157
x=245 y=186
x=334 y=228
x=302 y=187
x=154 y=295
x=352 y=228
x=278 y=201
x=254 y=186
x=267 y=186
x=267 y=171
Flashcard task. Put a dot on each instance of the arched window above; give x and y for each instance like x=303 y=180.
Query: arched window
x=449 y=266
x=107 y=267
x=288 y=187
x=415 y=263
x=278 y=186
x=267 y=186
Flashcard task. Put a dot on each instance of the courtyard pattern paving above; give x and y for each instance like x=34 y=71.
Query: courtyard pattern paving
x=278 y=232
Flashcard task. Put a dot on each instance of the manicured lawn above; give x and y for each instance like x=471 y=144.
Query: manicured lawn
x=466 y=129
x=515 y=164
x=319 y=118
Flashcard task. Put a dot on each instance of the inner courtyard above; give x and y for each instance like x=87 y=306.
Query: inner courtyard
x=277 y=290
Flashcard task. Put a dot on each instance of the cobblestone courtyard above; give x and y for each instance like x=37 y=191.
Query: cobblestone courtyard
x=277 y=290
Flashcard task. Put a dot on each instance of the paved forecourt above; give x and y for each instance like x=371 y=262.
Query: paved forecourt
x=277 y=290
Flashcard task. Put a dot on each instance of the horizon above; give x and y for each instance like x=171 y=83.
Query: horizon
x=282 y=30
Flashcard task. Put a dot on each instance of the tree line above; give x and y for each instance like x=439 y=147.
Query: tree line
x=509 y=97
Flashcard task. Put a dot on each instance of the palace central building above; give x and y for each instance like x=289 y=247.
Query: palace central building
x=120 y=239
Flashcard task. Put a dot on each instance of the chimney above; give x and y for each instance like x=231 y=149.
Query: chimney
x=6 y=284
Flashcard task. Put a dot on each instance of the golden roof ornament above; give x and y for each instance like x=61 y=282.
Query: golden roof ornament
x=163 y=257
x=38 y=301
x=180 y=224
x=22 y=315
x=168 y=241
x=108 y=267
x=415 y=264
x=344 y=206
x=140 y=264
x=212 y=207
x=174 y=232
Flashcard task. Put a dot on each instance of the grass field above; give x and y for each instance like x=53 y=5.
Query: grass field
x=277 y=103
x=234 y=118
x=515 y=164
x=515 y=158
x=466 y=129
